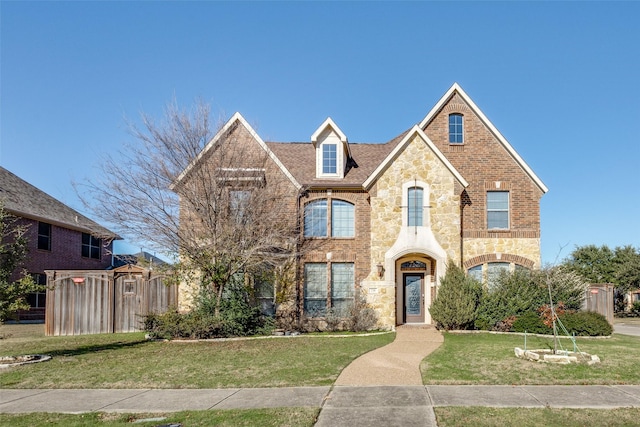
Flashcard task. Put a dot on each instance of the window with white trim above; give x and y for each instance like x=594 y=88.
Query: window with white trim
x=456 y=135
x=329 y=159
x=498 y=210
x=415 y=211
x=315 y=218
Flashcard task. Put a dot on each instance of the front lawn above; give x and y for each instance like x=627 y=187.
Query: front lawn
x=130 y=361
x=484 y=358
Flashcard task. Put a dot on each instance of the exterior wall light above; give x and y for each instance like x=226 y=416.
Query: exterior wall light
x=380 y=268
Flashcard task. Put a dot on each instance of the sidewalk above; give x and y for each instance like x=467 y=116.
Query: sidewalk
x=369 y=398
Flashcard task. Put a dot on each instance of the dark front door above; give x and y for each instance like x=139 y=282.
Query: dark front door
x=413 y=298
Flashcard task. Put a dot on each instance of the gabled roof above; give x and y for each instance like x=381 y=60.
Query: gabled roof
x=398 y=149
x=457 y=89
x=24 y=200
x=236 y=119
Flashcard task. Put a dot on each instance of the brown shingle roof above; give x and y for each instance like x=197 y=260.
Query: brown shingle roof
x=300 y=159
x=23 y=199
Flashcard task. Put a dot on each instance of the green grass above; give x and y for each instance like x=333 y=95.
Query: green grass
x=293 y=417
x=129 y=361
x=535 y=417
x=484 y=358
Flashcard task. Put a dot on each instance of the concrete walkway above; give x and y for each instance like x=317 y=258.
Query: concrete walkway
x=397 y=363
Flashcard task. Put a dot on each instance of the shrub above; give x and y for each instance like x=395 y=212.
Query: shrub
x=238 y=317
x=361 y=316
x=526 y=290
x=586 y=323
x=456 y=304
x=532 y=323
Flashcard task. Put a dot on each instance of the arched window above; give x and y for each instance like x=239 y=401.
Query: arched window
x=415 y=206
x=342 y=219
x=315 y=219
x=456 y=135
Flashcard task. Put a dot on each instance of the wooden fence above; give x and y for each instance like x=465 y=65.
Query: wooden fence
x=599 y=298
x=104 y=301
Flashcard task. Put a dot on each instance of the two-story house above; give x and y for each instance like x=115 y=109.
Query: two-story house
x=392 y=215
x=59 y=237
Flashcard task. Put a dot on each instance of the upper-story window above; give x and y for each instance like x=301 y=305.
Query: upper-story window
x=456 y=135
x=90 y=246
x=415 y=206
x=498 y=210
x=44 y=236
x=342 y=219
x=317 y=215
x=239 y=205
x=329 y=158
x=315 y=219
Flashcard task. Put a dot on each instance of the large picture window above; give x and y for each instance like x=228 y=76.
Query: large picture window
x=90 y=246
x=498 y=210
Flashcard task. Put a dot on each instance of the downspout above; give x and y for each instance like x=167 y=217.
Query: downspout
x=462 y=229
x=303 y=192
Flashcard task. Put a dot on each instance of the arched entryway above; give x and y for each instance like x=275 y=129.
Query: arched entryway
x=415 y=288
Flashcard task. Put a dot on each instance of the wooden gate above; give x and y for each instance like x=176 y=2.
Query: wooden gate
x=96 y=302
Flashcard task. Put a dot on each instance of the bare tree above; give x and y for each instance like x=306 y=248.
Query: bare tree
x=220 y=203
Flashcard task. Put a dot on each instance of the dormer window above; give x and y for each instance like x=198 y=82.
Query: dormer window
x=333 y=157
x=329 y=159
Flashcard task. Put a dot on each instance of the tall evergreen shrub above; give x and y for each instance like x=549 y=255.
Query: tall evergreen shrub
x=456 y=304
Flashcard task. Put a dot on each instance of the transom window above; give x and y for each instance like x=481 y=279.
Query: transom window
x=456 y=135
x=317 y=216
x=44 y=236
x=321 y=294
x=90 y=246
x=498 y=210
x=330 y=158
x=415 y=206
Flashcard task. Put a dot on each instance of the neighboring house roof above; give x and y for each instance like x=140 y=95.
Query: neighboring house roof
x=457 y=89
x=120 y=260
x=24 y=200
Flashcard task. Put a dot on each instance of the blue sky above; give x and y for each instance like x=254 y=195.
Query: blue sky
x=558 y=79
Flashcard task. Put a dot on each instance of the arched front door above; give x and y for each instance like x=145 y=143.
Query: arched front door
x=413 y=297
x=414 y=285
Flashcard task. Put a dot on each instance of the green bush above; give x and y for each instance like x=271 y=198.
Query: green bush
x=532 y=323
x=586 y=323
x=522 y=291
x=456 y=304
x=238 y=317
